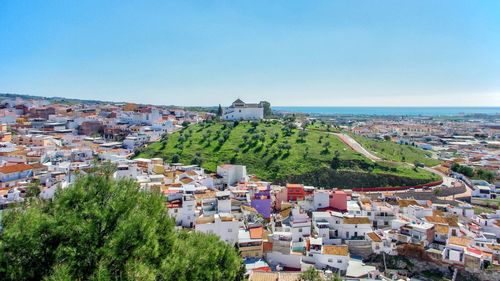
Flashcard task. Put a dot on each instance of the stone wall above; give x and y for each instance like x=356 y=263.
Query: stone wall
x=361 y=248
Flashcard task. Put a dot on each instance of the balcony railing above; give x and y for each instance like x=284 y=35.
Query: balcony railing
x=384 y=217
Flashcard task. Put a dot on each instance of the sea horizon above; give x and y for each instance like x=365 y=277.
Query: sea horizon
x=391 y=110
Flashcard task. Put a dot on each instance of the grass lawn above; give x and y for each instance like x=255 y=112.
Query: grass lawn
x=397 y=152
x=271 y=150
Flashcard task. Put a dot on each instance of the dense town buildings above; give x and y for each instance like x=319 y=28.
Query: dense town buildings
x=278 y=229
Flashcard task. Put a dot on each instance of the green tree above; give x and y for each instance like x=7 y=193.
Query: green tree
x=335 y=164
x=197 y=160
x=33 y=189
x=267 y=109
x=486 y=175
x=102 y=229
x=219 y=111
x=310 y=274
x=245 y=138
x=176 y=158
x=302 y=135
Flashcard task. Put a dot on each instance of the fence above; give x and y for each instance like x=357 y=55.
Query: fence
x=397 y=188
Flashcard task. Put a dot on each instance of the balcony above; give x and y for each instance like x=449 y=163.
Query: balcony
x=384 y=218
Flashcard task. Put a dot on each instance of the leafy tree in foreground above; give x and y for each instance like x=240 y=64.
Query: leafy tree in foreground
x=102 y=229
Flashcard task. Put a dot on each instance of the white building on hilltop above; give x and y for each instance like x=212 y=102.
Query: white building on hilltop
x=240 y=110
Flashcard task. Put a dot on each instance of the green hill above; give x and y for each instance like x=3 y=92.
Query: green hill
x=391 y=151
x=277 y=151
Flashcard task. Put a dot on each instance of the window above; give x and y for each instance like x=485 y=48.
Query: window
x=300 y=229
x=339 y=261
x=369 y=213
x=330 y=260
x=229 y=230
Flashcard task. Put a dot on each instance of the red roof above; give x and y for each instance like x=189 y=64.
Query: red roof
x=475 y=251
x=15 y=168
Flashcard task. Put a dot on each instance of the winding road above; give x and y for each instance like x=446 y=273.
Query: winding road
x=447 y=181
x=356 y=146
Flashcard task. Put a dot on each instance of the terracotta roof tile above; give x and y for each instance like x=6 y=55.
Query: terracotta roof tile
x=341 y=250
x=373 y=236
x=451 y=221
x=441 y=229
x=263 y=276
x=15 y=168
x=357 y=220
x=460 y=241
x=407 y=202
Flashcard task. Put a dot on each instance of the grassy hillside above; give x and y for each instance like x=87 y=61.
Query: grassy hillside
x=279 y=152
x=391 y=151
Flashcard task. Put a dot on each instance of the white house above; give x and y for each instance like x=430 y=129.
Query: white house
x=455 y=250
x=126 y=170
x=354 y=227
x=381 y=243
x=182 y=207
x=240 y=110
x=134 y=141
x=334 y=257
x=321 y=199
x=223 y=225
x=232 y=174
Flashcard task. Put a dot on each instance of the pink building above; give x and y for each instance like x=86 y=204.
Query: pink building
x=338 y=200
x=280 y=196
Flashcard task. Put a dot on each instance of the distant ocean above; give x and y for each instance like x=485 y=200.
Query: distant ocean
x=394 y=111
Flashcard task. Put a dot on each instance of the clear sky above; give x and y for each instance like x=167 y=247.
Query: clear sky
x=326 y=53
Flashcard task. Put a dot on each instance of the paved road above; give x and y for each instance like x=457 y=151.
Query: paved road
x=356 y=146
x=447 y=181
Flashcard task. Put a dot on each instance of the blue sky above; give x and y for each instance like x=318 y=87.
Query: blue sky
x=327 y=53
